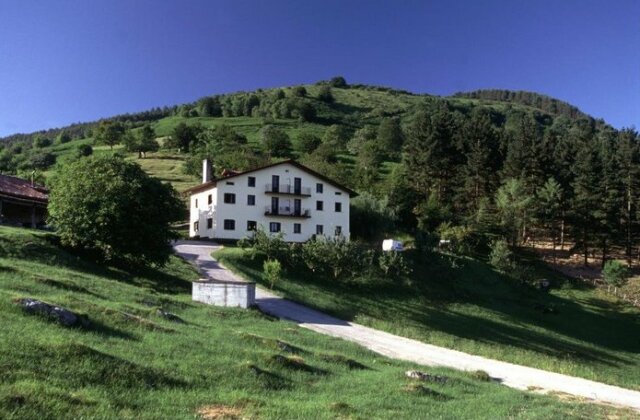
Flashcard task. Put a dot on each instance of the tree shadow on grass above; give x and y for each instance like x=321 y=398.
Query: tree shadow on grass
x=426 y=302
x=45 y=249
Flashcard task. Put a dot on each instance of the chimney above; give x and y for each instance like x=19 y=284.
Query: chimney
x=206 y=171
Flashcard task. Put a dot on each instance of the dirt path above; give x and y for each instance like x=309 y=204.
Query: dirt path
x=515 y=376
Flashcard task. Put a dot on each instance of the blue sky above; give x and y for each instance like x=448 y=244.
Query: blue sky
x=63 y=61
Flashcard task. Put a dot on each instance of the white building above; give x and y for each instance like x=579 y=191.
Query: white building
x=283 y=197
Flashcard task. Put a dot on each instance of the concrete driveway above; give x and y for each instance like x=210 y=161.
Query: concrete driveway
x=393 y=346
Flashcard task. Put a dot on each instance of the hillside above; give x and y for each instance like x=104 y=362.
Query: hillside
x=130 y=362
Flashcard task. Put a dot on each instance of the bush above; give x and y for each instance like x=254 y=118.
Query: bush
x=84 y=150
x=501 y=256
x=113 y=208
x=40 y=142
x=338 y=81
x=271 y=272
x=615 y=273
x=307 y=142
x=393 y=264
x=462 y=239
x=63 y=138
x=325 y=94
x=299 y=91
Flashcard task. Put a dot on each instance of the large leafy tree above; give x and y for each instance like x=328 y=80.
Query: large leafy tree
x=112 y=207
x=109 y=133
x=141 y=142
x=276 y=141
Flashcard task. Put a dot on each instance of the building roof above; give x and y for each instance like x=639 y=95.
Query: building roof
x=211 y=184
x=19 y=188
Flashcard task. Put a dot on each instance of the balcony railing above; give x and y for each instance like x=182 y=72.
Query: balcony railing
x=287 y=189
x=286 y=212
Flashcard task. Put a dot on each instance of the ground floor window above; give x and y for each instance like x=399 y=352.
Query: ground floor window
x=274 y=227
x=196 y=226
x=297 y=228
x=229 y=224
x=338 y=230
x=252 y=225
x=209 y=223
x=319 y=229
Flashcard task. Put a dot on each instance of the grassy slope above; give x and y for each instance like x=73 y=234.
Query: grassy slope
x=471 y=308
x=148 y=367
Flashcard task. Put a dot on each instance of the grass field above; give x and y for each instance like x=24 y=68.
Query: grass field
x=464 y=305
x=220 y=362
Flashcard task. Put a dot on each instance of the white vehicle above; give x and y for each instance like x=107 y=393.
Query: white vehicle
x=391 y=245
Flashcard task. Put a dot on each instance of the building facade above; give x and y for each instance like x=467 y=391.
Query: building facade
x=284 y=197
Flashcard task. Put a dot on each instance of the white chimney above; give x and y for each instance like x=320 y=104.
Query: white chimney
x=206 y=171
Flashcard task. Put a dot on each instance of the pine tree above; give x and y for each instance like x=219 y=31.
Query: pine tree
x=429 y=153
x=587 y=194
x=629 y=158
x=480 y=147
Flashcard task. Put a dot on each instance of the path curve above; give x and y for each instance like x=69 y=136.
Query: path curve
x=393 y=346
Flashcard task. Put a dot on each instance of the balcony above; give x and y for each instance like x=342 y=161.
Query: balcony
x=287 y=189
x=287 y=212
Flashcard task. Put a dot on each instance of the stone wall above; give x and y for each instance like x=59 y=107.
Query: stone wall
x=224 y=293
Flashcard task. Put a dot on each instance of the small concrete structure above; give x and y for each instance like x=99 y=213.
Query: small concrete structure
x=224 y=293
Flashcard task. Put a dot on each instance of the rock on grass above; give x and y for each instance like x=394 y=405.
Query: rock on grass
x=54 y=313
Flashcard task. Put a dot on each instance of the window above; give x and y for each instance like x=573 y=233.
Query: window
x=251 y=200
x=252 y=225
x=229 y=198
x=209 y=223
x=319 y=188
x=230 y=183
x=274 y=227
x=196 y=203
x=196 y=226
x=229 y=224
x=338 y=230
x=251 y=181
x=338 y=193
x=297 y=228
x=319 y=229
x=319 y=205
x=338 y=207
x=210 y=199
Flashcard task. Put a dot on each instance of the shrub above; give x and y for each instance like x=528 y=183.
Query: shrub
x=40 y=142
x=113 y=208
x=462 y=240
x=393 y=264
x=501 y=256
x=338 y=81
x=325 y=94
x=299 y=91
x=271 y=272
x=84 y=150
x=615 y=273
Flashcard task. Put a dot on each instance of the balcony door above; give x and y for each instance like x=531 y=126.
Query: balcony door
x=297 y=206
x=297 y=185
x=274 y=205
x=275 y=183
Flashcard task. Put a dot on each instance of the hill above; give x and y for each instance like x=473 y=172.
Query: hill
x=131 y=362
x=464 y=304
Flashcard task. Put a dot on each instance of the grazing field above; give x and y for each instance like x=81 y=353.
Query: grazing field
x=131 y=362
x=464 y=305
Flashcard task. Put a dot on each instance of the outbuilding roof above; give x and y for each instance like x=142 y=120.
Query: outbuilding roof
x=211 y=184
x=13 y=187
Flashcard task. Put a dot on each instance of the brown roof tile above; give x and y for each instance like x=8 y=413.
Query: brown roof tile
x=21 y=188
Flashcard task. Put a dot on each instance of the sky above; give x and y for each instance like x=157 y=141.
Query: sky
x=65 y=61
